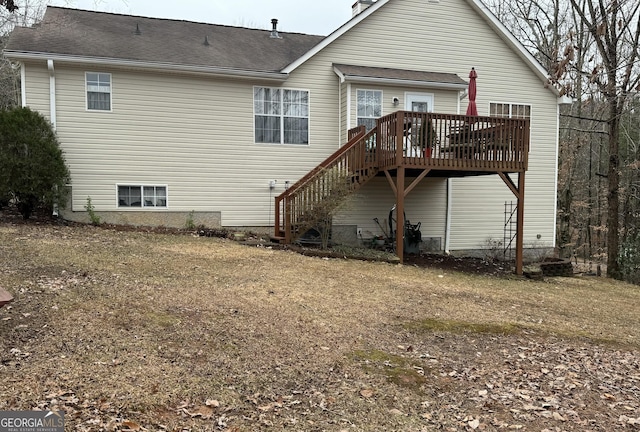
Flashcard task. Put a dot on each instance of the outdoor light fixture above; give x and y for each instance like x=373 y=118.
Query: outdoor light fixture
x=395 y=100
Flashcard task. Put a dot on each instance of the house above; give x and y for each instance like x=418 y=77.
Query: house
x=162 y=120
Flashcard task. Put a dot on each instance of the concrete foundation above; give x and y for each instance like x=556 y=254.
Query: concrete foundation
x=167 y=219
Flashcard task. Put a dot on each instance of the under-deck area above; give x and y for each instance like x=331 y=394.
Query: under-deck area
x=412 y=145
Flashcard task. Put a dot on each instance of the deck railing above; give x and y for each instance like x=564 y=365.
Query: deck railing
x=453 y=142
x=317 y=193
x=444 y=142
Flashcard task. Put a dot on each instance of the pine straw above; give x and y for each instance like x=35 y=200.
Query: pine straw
x=130 y=330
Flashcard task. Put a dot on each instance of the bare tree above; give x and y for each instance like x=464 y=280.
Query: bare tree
x=615 y=29
x=14 y=13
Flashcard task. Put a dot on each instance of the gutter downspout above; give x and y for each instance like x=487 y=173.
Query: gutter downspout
x=339 y=112
x=23 y=85
x=348 y=107
x=52 y=111
x=447 y=232
x=52 y=93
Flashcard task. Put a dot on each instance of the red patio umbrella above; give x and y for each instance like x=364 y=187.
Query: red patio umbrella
x=472 y=109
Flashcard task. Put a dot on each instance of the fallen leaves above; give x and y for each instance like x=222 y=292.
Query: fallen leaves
x=205 y=344
x=367 y=393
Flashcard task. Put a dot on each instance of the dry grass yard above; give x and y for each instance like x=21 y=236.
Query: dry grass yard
x=145 y=331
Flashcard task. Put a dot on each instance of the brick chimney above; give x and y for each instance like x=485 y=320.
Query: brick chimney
x=360 y=6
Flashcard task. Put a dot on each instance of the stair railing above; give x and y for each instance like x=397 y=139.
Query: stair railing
x=345 y=170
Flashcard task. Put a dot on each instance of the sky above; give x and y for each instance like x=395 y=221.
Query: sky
x=319 y=17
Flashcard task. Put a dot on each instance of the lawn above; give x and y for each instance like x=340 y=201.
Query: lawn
x=129 y=330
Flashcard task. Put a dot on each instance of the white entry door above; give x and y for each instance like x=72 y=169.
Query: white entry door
x=421 y=102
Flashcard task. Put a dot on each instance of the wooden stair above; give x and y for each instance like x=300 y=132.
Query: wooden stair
x=317 y=194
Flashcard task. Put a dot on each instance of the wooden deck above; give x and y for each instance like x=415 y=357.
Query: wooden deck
x=409 y=144
x=451 y=145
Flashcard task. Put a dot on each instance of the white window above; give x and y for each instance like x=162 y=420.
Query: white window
x=369 y=107
x=142 y=196
x=281 y=115
x=510 y=110
x=98 y=91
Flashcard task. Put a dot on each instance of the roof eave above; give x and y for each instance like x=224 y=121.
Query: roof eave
x=140 y=64
x=401 y=82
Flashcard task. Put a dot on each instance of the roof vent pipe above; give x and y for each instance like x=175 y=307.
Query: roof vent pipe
x=206 y=40
x=138 y=32
x=274 y=29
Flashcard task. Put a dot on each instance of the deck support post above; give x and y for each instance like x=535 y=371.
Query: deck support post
x=520 y=226
x=400 y=214
x=518 y=191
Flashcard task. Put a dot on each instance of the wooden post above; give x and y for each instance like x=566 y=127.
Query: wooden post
x=400 y=214
x=399 y=138
x=520 y=226
x=276 y=218
x=518 y=191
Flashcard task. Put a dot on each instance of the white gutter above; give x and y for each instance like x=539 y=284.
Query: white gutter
x=23 y=85
x=156 y=66
x=52 y=93
x=565 y=100
x=404 y=83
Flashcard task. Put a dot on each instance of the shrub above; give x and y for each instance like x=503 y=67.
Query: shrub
x=91 y=211
x=32 y=167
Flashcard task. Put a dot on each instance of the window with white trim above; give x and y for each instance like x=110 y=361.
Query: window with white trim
x=142 y=196
x=369 y=107
x=98 y=91
x=281 y=115
x=522 y=111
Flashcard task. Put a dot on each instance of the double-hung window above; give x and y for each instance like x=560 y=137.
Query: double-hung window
x=98 y=91
x=521 y=111
x=369 y=107
x=142 y=196
x=281 y=115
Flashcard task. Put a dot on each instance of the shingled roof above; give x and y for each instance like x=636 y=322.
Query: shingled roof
x=353 y=72
x=81 y=33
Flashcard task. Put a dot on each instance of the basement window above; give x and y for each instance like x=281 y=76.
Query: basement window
x=142 y=196
x=98 y=91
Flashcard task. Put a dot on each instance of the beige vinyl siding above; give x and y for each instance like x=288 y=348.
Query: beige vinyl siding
x=193 y=134
x=37 y=90
x=344 y=132
x=444 y=100
x=450 y=37
x=425 y=204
